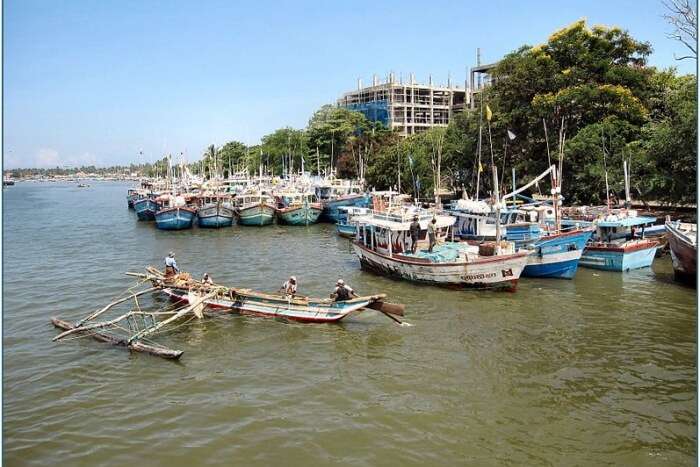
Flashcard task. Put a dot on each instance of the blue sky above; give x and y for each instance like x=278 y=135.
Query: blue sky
x=97 y=81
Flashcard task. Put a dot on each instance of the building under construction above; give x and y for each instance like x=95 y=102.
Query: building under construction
x=409 y=107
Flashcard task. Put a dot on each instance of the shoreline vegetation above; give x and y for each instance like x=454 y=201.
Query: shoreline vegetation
x=590 y=87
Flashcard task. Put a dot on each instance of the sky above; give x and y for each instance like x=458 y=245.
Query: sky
x=97 y=82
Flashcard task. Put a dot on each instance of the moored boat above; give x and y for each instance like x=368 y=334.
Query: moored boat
x=131 y=196
x=346 y=226
x=613 y=246
x=298 y=208
x=146 y=208
x=174 y=214
x=383 y=246
x=682 y=241
x=216 y=210
x=255 y=209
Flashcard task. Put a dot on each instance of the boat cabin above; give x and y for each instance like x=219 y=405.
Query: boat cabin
x=388 y=233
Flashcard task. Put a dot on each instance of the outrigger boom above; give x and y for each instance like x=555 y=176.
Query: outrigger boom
x=139 y=325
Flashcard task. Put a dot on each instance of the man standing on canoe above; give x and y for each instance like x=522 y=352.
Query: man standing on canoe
x=414 y=229
x=342 y=292
x=171 y=265
x=431 y=234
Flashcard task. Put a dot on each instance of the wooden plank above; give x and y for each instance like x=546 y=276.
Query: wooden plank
x=162 y=352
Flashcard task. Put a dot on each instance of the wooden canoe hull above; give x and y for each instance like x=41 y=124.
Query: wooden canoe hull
x=293 y=310
x=162 y=352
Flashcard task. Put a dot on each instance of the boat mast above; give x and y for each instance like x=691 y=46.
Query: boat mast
x=605 y=167
x=497 y=205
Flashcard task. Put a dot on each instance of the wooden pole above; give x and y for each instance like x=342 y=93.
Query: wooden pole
x=180 y=314
x=114 y=303
x=136 y=346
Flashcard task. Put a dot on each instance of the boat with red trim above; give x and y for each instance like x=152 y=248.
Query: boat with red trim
x=683 y=243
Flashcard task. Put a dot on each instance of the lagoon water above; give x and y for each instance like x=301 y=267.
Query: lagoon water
x=600 y=370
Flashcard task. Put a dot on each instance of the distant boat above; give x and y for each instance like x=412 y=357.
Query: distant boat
x=146 y=208
x=216 y=210
x=8 y=182
x=298 y=208
x=83 y=185
x=255 y=209
x=683 y=242
x=174 y=214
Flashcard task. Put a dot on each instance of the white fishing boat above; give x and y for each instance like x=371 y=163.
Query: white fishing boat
x=383 y=245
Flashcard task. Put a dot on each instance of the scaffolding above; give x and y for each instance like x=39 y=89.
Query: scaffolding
x=408 y=108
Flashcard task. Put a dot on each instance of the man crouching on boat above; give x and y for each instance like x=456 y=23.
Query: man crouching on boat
x=171 y=265
x=290 y=287
x=342 y=292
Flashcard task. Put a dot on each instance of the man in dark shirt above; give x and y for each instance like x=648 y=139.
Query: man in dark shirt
x=342 y=292
x=414 y=230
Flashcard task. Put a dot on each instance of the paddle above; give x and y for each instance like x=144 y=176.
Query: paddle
x=385 y=307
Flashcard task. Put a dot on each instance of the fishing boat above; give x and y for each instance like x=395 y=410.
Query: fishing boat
x=255 y=209
x=173 y=213
x=683 y=243
x=298 y=208
x=553 y=254
x=196 y=300
x=146 y=207
x=334 y=193
x=383 y=245
x=215 y=210
x=347 y=226
x=613 y=246
x=131 y=195
x=7 y=181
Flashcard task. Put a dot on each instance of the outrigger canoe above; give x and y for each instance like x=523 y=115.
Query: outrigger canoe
x=181 y=288
x=134 y=328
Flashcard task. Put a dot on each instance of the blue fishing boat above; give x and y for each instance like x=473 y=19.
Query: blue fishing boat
x=346 y=226
x=215 y=211
x=174 y=214
x=146 y=208
x=552 y=255
x=255 y=209
x=298 y=208
x=131 y=196
x=335 y=193
x=613 y=246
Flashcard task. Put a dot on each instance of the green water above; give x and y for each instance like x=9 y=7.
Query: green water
x=600 y=370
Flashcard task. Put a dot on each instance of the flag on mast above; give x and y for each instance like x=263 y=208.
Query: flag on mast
x=489 y=114
x=511 y=135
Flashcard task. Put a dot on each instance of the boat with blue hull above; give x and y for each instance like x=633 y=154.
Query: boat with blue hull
x=554 y=255
x=298 y=208
x=613 y=246
x=255 y=209
x=216 y=211
x=131 y=196
x=146 y=208
x=174 y=214
x=331 y=210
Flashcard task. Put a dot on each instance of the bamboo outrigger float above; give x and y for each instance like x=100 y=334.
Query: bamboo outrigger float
x=134 y=328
